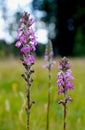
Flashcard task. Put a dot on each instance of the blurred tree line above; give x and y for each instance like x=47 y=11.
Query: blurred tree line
x=64 y=20
x=68 y=20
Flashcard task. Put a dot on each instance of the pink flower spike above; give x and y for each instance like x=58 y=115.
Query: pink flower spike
x=18 y=44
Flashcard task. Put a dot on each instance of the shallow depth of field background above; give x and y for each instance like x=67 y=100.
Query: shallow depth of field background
x=12 y=97
x=64 y=23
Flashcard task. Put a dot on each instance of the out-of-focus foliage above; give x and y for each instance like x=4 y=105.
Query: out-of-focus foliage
x=2 y=48
x=64 y=18
x=40 y=50
x=79 y=47
x=7 y=50
x=49 y=6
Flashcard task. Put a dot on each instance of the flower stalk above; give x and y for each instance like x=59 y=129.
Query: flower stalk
x=49 y=58
x=27 y=45
x=64 y=84
x=48 y=105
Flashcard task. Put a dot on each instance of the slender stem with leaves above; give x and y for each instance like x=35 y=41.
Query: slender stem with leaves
x=49 y=58
x=48 y=105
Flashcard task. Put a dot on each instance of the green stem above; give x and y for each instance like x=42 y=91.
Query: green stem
x=48 y=105
x=28 y=109
x=64 y=126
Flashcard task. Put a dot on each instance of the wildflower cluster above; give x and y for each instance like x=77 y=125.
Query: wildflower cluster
x=27 y=44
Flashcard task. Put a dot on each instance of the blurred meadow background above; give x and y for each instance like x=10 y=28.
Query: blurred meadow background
x=13 y=100
x=64 y=23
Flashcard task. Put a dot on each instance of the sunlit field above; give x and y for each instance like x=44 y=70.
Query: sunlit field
x=13 y=100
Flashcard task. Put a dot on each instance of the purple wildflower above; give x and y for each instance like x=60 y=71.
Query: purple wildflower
x=64 y=82
x=64 y=76
x=27 y=44
x=26 y=38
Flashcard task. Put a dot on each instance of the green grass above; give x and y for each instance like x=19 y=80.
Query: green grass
x=13 y=100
